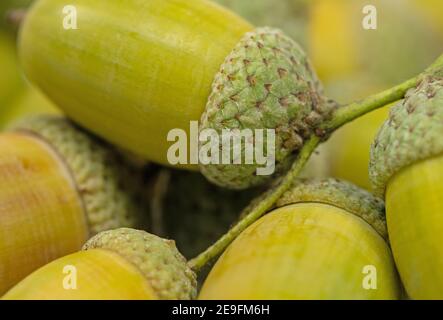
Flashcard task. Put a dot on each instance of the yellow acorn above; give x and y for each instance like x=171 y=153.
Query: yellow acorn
x=326 y=240
x=136 y=72
x=119 y=264
x=58 y=186
x=407 y=168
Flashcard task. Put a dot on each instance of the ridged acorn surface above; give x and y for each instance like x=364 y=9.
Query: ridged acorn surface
x=225 y=72
x=323 y=242
x=407 y=168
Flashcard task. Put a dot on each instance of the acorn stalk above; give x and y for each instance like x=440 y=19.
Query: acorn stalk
x=119 y=264
x=316 y=244
x=58 y=187
x=406 y=167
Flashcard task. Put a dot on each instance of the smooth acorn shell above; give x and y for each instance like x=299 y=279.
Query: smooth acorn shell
x=100 y=275
x=414 y=212
x=304 y=251
x=41 y=214
x=133 y=70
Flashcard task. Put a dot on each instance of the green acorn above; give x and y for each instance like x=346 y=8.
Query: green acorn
x=316 y=244
x=226 y=73
x=407 y=169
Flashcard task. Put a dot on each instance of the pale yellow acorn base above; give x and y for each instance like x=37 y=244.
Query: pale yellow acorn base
x=414 y=209
x=304 y=251
x=86 y=275
x=41 y=214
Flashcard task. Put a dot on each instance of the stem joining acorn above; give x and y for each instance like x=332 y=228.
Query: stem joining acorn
x=316 y=244
x=118 y=264
x=58 y=187
x=407 y=168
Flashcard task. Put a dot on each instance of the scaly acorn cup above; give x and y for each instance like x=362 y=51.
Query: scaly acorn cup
x=326 y=240
x=134 y=70
x=407 y=168
x=116 y=264
x=58 y=186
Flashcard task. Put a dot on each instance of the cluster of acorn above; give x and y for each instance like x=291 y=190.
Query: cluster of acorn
x=75 y=193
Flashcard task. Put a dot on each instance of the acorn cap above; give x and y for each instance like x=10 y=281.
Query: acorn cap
x=107 y=187
x=266 y=82
x=340 y=194
x=412 y=133
x=158 y=259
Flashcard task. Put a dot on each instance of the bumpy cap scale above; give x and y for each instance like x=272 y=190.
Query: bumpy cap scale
x=340 y=194
x=266 y=82
x=107 y=186
x=158 y=259
x=412 y=133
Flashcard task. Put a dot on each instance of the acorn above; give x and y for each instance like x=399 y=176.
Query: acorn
x=225 y=73
x=406 y=168
x=119 y=264
x=58 y=186
x=325 y=240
